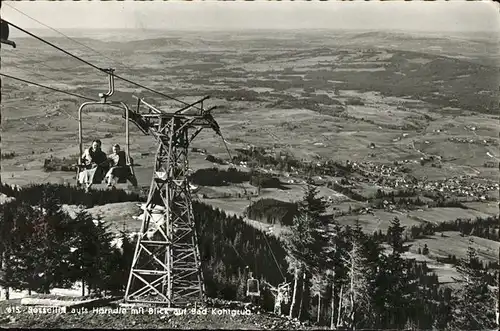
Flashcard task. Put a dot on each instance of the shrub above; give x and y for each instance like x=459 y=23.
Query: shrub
x=265 y=181
x=7 y=156
x=67 y=194
x=354 y=102
x=214 y=159
x=57 y=164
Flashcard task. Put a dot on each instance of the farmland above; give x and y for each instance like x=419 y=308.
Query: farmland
x=385 y=124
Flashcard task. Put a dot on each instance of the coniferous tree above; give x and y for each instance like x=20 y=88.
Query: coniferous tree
x=319 y=285
x=38 y=250
x=334 y=269
x=474 y=304
x=306 y=244
x=313 y=208
x=106 y=260
x=311 y=203
x=298 y=254
x=127 y=254
x=93 y=257
x=357 y=292
x=224 y=239
x=393 y=283
x=8 y=212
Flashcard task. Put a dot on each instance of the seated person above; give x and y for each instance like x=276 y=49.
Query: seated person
x=95 y=165
x=119 y=169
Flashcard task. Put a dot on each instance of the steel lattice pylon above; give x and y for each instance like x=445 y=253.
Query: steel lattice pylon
x=166 y=268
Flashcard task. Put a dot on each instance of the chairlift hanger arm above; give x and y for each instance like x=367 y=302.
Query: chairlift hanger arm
x=117 y=104
x=111 y=85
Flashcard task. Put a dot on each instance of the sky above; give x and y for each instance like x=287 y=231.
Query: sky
x=238 y=15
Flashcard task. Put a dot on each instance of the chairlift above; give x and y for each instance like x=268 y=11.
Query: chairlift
x=4 y=34
x=253 y=288
x=285 y=290
x=125 y=176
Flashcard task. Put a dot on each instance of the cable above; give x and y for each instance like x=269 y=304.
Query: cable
x=255 y=247
x=75 y=41
x=227 y=148
x=119 y=77
x=48 y=87
x=38 y=63
x=56 y=47
x=96 y=67
x=58 y=110
x=154 y=91
x=231 y=160
x=264 y=235
x=234 y=248
x=32 y=72
x=274 y=257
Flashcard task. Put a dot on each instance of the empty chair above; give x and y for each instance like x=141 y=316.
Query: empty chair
x=284 y=289
x=253 y=288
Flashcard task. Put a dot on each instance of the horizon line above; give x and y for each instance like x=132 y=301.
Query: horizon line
x=207 y=29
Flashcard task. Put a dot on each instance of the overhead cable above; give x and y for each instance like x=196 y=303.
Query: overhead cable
x=68 y=37
x=246 y=193
x=48 y=87
x=33 y=72
x=56 y=47
x=96 y=67
x=18 y=55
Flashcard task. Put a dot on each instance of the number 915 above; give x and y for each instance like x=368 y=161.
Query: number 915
x=13 y=310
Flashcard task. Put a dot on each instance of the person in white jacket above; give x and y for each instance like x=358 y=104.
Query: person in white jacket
x=119 y=169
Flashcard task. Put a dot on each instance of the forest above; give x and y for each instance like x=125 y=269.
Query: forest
x=218 y=177
x=67 y=194
x=221 y=177
x=272 y=211
x=487 y=228
x=340 y=278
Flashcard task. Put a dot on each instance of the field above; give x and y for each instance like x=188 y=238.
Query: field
x=453 y=243
x=118 y=215
x=290 y=97
x=374 y=97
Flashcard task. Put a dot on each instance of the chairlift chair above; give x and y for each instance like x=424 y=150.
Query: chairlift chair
x=285 y=289
x=130 y=176
x=4 y=34
x=253 y=287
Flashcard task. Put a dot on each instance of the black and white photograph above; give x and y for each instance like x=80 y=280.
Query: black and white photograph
x=260 y=165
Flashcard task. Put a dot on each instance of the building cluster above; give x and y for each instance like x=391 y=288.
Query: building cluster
x=459 y=187
x=388 y=174
x=394 y=176
x=464 y=140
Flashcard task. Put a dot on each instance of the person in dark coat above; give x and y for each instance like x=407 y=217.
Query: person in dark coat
x=95 y=164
